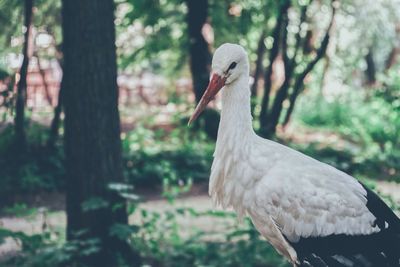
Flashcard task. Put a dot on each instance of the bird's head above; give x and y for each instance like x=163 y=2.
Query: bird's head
x=228 y=64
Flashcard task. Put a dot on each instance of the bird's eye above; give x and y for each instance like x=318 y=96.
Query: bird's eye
x=232 y=66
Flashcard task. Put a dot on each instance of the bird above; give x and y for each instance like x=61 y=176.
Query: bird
x=311 y=213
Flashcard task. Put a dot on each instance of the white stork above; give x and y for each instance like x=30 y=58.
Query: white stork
x=312 y=213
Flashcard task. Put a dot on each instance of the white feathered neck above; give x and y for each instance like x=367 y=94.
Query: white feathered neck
x=235 y=136
x=235 y=114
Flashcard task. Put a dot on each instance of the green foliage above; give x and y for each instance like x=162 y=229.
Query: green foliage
x=157 y=157
x=3 y=74
x=11 y=22
x=125 y=191
x=94 y=203
x=241 y=21
x=46 y=19
x=163 y=241
x=390 y=91
x=159 y=28
x=19 y=210
x=324 y=113
x=341 y=159
x=29 y=243
x=122 y=231
x=370 y=122
x=38 y=169
x=46 y=250
x=374 y=24
x=173 y=160
x=8 y=97
x=162 y=30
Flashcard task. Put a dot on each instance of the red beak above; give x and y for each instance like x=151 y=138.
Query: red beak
x=215 y=85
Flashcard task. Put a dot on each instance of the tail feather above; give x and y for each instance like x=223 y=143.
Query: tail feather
x=359 y=260
x=315 y=261
x=335 y=262
x=380 y=249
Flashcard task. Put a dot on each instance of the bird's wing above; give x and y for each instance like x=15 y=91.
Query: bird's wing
x=311 y=201
x=373 y=250
x=308 y=198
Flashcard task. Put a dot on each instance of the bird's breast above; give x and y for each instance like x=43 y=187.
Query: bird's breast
x=233 y=182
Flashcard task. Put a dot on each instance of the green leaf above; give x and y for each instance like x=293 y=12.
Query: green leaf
x=94 y=203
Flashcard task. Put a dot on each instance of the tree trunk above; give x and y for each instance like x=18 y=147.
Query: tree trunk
x=259 y=69
x=20 y=137
x=297 y=88
x=308 y=45
x=274 y=115
x=370 y=72
x=325 y=69
x=92 y=130
x=392 y=58
x=200 y=56
x=394 y=53
x=55 y=122
x=276 y=35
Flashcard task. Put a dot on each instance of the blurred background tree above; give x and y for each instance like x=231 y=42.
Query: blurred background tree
x=20 y=138
x=92 y=131
x=325 y=80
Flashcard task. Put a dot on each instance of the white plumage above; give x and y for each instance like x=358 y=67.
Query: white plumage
x=287 y=194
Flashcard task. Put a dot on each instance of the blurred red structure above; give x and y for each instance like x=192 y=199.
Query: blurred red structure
x=43 y=84
x=44 y=79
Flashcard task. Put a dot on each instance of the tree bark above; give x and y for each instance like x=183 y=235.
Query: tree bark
x=20 y=137
x=92 y=129
x=200 y=56
x=276 y=35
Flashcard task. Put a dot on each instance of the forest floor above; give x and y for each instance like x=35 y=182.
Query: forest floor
x=54 y=218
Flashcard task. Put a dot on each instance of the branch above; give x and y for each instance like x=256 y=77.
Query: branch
x=284 y=44
x=258 y=70
x=299 y=83
x=281 y=95
x=303 y=18
x=272 y=56
x=324 y=45
x=289 y=63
